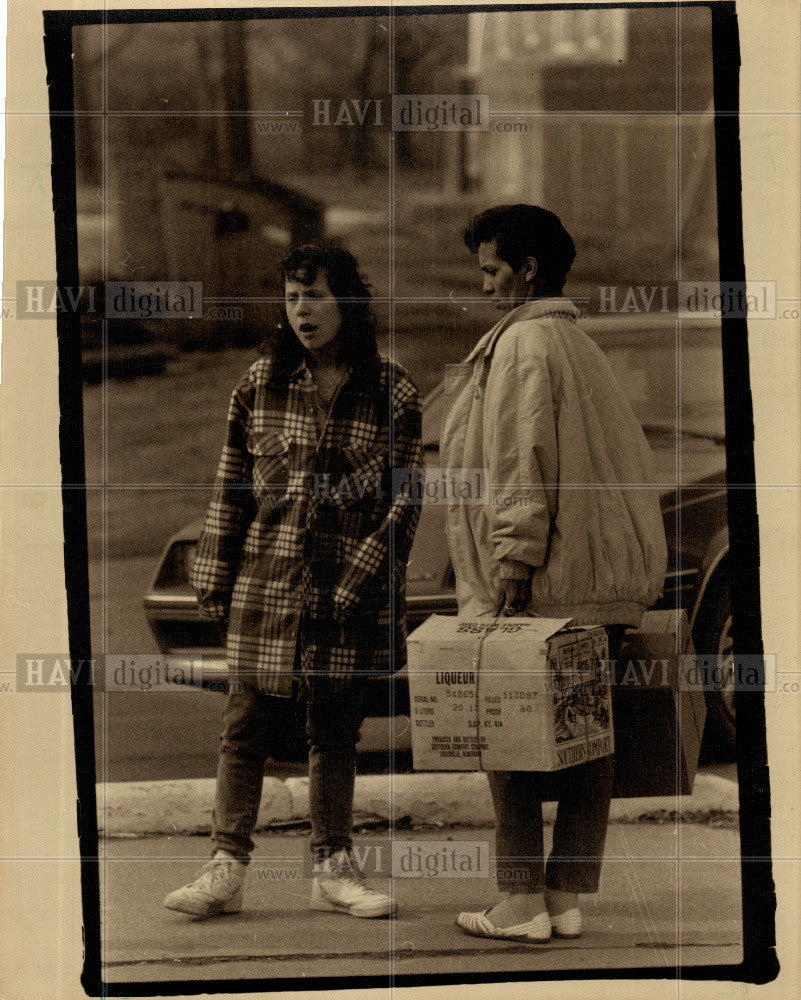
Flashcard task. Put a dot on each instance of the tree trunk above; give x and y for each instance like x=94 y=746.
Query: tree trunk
x=237 y=98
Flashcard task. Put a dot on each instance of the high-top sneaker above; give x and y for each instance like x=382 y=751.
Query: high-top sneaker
x=340 y=887
x=217 y=889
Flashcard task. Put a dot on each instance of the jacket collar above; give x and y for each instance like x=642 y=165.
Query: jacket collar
x=302 y=372
x=535 y=309
x=366 y=373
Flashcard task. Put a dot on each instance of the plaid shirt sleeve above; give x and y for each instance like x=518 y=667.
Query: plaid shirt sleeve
x=365 y=576
x=230 y=512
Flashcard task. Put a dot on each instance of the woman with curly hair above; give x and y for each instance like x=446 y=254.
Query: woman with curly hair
x=302 y=557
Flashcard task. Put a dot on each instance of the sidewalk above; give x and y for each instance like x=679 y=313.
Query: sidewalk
x=670 y=895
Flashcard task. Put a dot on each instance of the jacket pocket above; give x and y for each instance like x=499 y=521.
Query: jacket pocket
x=271 y=468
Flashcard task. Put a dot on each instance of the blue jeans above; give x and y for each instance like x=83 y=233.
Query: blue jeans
x=583 y=794
x=253 y=724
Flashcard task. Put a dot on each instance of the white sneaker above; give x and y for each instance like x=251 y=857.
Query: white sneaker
x=341 y=888
x=217 y=889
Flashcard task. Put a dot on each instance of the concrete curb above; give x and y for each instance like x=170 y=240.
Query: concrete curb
x=447 y=799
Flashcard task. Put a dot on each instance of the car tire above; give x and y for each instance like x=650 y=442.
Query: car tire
x=712 y=636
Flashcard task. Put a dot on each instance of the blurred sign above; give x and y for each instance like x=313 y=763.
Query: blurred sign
x=543 y=38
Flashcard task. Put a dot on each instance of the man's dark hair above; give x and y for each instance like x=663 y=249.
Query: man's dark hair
x=522 y=231
x=352 y=292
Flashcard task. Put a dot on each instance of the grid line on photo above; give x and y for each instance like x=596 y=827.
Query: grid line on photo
x=679 y=243
x=104 y=345
x=392 y=355
x=121 y=487
x=398 y=834
x=670 y=113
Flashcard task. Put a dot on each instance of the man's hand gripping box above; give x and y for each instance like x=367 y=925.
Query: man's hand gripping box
x=511 y=694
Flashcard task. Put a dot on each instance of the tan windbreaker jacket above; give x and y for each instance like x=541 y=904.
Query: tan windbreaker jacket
x=572 y=500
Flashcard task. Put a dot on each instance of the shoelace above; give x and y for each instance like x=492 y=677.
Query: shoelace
x=357 y=882
x=352 y=876
x=358 y=886
x=216 y=870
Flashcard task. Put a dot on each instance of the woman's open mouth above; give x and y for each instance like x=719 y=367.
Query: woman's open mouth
x=307 y=328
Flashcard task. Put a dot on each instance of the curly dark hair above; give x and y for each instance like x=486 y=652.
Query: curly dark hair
x=353 y=295
x=522 y=231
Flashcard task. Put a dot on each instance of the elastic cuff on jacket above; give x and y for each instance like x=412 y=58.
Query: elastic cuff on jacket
x=511 y=569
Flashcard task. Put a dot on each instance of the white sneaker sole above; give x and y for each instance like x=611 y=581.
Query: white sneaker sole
x=368 y=913
x=319 y=902
x=199 y=908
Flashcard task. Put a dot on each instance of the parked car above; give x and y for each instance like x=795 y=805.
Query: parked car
x=659 y=361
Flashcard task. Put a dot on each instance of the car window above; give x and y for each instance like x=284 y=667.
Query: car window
x=668 y=380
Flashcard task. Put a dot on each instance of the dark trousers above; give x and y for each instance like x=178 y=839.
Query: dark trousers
x=583 y=794
x=252 y=727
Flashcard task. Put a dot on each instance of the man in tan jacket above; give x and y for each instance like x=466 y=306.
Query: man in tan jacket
x=572 y=528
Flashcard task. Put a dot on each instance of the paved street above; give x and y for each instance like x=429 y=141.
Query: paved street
x=670 y=895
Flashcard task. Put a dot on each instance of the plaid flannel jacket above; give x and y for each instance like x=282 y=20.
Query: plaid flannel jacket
x=307 y=537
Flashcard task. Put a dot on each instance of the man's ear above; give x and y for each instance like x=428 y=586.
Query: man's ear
x=530 y=268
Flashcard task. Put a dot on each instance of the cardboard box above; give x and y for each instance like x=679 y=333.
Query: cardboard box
x=659 y=721
x=515 y=694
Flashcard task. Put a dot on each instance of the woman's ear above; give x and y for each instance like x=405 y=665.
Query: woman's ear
x=530 y=268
